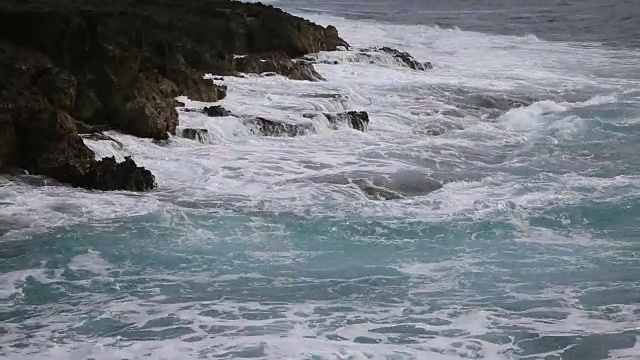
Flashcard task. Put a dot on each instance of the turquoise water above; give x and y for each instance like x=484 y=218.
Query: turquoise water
x=529 y=251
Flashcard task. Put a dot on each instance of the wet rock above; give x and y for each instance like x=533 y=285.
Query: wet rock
x=154 y=119
x=84 y=128
x=266 y=127
x=97 y=136
x=374 y=192
x=270 y=65
x=191 y=84
x=216 y=111
x=435 y=130
x=107 y=174
x=57 y=86
x=51 y=146
x=87 y=105
x=403 y=57
x=358 y=120
x=499 y=102
x=200 y=135
x=411 y=183
x=393 y=186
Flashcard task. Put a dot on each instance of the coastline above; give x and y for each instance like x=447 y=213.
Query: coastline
x=82 y=69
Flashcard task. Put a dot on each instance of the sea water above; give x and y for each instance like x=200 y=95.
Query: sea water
x=250 y=248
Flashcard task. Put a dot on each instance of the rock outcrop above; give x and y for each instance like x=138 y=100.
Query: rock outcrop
x=398 y=185
x=200 y=135
x=119 y=65
x=216 y=111
x=267 y=127
x=401 y=56
x=358 y=120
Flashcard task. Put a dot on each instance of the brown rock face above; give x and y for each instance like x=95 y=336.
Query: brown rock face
x=119 y=64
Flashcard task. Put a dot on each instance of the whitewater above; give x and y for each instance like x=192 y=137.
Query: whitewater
x=252 y=247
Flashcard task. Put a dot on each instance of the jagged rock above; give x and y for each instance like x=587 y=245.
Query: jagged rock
x=201 y=135
x=84 y=128
x=107 y=174
x=358 y=120
x=266 y=127
x=405 y=57
x=216 y=111
x=271 y=65
x=374 y=192
x=191 y=84
x=499 y=102
x=150 y=112
x=398 y=185
x=401 y=56
x=49 y=145
x=98 y=136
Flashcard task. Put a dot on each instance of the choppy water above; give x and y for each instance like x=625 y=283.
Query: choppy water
x=249 y=250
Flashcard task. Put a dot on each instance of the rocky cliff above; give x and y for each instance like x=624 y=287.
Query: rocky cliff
x=70 y=66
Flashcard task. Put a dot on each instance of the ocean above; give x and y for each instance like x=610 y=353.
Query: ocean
x=252 y=247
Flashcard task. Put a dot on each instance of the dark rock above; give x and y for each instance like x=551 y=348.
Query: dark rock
x=87 y=104
x=403 y=57
x=374 y=192
x=57 y=86
x=428 y=65
x=358 y=120
x=499 y=102
x=266 y=127
x=398 y=185
x=192 y=84
x=177 y=103
x=201 y=135
x=50 y=146
x=107 y=174
x=97 y=136
x=216 y=111
x=84 y=128
x=150 y=112
x=270 y=65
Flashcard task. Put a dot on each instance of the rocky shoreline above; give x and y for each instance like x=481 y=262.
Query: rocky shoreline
x=75 y=68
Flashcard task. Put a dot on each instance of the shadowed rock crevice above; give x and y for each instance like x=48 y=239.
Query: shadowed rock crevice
x=119 y=65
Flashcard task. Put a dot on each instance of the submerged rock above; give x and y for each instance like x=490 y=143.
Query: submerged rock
x=266 y=127
x=97 y=136
x=374 y=192
x=393 y=186
x=358 y=120
x=216 y=111
x=491 y=106
x=200 y=135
